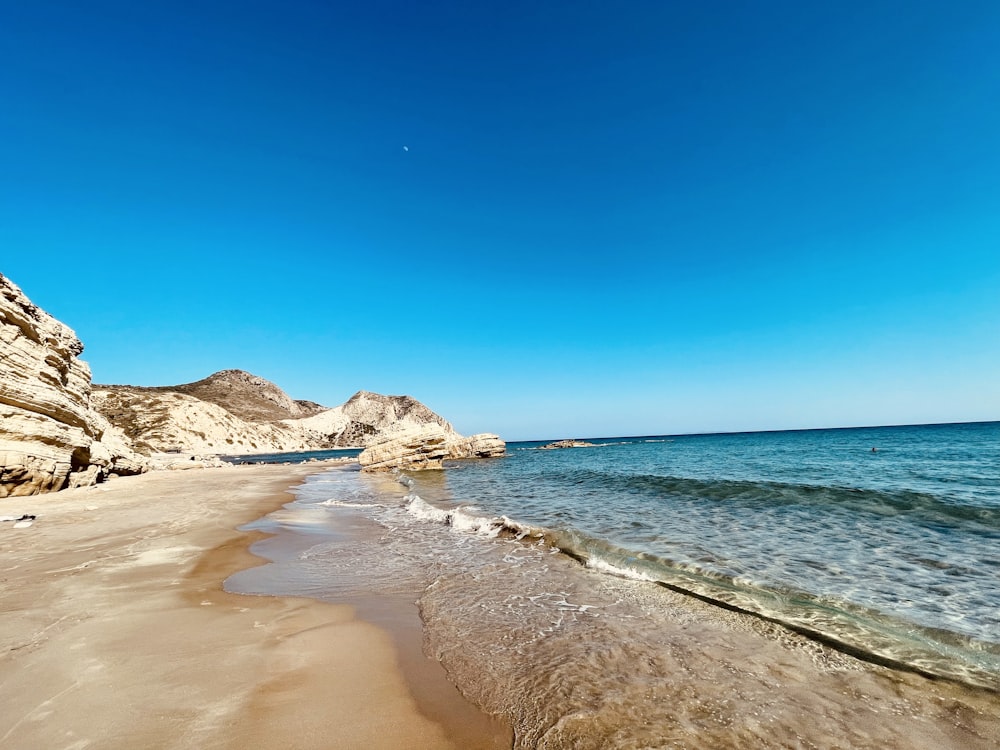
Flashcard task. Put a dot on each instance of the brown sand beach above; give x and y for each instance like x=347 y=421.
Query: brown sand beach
x=115 y=631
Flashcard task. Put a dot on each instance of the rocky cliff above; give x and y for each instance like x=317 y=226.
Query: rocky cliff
x=50 y=437
x=58 y=430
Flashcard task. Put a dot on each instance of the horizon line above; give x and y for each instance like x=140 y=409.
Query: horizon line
x=760 y=432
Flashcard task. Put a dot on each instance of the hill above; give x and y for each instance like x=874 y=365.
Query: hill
x=236 y=412
x=242 y=394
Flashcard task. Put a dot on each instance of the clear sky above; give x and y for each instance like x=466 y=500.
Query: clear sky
x=540 y=219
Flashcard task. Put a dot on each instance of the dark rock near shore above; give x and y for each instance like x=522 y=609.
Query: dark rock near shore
x=568 y=444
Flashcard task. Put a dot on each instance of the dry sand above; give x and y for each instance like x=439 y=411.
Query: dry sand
x=115 y=631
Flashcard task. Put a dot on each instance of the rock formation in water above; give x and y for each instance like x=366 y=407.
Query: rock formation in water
x=427 y=447
x=567 y=444
x=50 y=437
x=482 y=445
x=415 y=448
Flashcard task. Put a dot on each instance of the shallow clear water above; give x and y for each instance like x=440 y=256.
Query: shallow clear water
x=894 y=550
x=280 y=458
x=889 y=555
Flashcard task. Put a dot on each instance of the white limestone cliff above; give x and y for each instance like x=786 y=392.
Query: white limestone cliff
x=50 y=437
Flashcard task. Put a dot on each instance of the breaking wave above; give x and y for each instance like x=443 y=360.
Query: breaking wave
x=856 y=630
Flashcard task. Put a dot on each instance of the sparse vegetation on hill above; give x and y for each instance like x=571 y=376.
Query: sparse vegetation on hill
x=242 y=394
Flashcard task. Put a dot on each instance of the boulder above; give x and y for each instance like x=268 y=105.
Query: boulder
x=483 y=445
x=415 y=449
x=427 y=447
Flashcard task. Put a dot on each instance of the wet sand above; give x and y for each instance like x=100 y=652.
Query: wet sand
x=115 y=631
x=579 y=659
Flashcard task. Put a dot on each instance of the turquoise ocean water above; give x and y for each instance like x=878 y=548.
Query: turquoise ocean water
x=895 y=550
x=891 y=555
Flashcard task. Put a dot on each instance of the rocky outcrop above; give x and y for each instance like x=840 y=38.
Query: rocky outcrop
x=567 y=444
x=415 y=449
x=113 y=451
x=365 y=417
x=483 y=445
x=427 y=447
x=50 y=437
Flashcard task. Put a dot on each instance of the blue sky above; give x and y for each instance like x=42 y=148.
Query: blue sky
x=541 y=219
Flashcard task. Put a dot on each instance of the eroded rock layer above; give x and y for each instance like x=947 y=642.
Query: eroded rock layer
x=50 y=437
x=483 y=445
x=415 y=449
x=427 y=447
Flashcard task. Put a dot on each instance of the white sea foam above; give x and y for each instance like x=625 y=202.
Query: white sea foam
x=596 y=563
x=334 y=503
x=416 y=506
x=464 y=519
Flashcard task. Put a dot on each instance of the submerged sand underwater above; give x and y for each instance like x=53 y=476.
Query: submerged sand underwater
x=572 y=657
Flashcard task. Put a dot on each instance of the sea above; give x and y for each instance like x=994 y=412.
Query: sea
x=665 y=590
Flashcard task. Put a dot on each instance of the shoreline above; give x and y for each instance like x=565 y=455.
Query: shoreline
x=116 y=632
x=573 y=657
x=118 y=629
